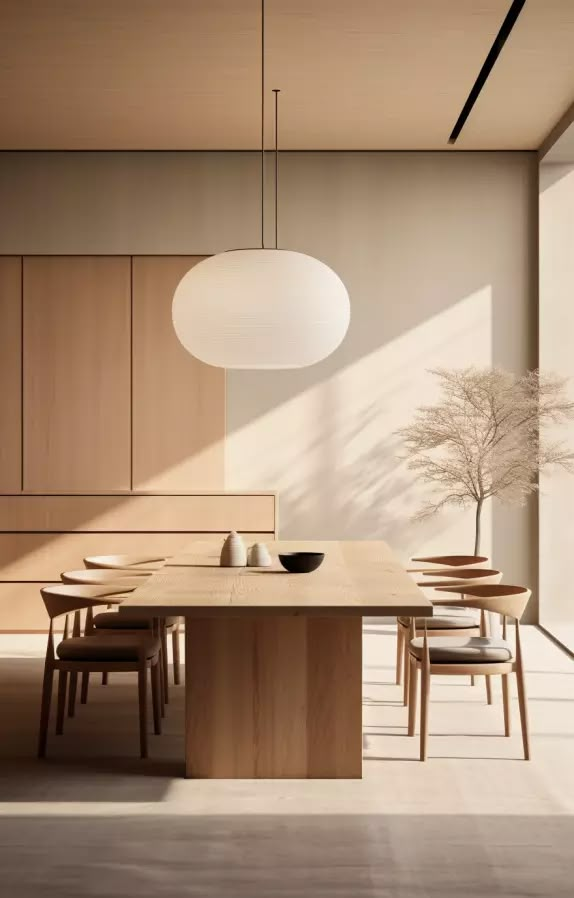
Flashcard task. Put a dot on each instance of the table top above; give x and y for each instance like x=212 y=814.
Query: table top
x=356 y=578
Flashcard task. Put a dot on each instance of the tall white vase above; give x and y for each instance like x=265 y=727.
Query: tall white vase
x=233 y=552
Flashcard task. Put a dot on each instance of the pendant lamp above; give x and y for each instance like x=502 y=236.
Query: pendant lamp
x=261 y=308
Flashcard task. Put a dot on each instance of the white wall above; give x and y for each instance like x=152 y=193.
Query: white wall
x=556 y=354
x=438 y=251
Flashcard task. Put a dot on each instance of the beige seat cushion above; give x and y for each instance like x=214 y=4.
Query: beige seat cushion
x=442 y=622
x=107 y=648
x=111 y=620
x=461 y=650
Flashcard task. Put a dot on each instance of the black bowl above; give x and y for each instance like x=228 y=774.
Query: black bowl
x=301 y=562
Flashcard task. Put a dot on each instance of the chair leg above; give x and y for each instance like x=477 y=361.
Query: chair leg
x=161 y=688
x=400 y=650
x=62 y=688
x=142 y=696
x=506 y=703
x=425 y=692
x=488 y=691
x=523 y=712
x=413 y=683
x=72 y=693
x=472 y=681
x=84 y=689
x=105 y=679
x=45 y=710
x=163 y=661
x=155 y=697
x=406 y=670
x=175 y=650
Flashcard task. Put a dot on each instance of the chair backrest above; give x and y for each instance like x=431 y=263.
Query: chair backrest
x=510 y=601
x=129 y=579
x=461 y=561
x=464 y=576
x=144 y=563
x=66 y=599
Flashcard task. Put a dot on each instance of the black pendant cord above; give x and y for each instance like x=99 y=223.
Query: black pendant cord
x=262 y=124
x=276 y=91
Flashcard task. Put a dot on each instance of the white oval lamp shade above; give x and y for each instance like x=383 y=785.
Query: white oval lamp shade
x=261 y=308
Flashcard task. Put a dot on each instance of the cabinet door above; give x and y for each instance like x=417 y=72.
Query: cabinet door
x=10 y=373
x=76 y=373
x=178 y=402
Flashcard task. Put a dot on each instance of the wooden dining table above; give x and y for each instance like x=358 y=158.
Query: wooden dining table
x=273 y=660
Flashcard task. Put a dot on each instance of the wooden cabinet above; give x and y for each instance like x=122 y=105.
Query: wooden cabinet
x=76 y=344
x=178 y=402
x=10 y=373
x=42 y=536
x=111 y=434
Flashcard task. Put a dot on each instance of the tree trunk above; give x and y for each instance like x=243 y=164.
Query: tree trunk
x=477 y=526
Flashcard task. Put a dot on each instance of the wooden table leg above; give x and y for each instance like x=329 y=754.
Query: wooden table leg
x=273 y=696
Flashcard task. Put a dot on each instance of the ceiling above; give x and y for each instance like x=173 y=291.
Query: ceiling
x=368 y=74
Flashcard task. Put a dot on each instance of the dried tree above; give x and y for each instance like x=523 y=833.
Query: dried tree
x=486 y=437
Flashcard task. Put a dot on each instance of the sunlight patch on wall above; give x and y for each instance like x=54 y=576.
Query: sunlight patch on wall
x=331 y=451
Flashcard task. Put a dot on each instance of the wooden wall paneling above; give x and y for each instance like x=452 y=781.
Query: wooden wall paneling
x=22 y=609
x=76 y=373
x=183 y=513
x=178 y=402
x=10 y=373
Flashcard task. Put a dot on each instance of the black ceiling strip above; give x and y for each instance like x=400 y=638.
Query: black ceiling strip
x=488 y=65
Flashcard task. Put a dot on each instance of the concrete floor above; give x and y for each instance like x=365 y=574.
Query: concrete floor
x=474 y=821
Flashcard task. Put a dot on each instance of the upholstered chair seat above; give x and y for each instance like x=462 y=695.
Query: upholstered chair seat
x=111 y=620
x=444 y=621
x=108 y=648
x=461 y=650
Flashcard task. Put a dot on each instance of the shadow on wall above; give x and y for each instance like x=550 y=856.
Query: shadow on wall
x=332 y=452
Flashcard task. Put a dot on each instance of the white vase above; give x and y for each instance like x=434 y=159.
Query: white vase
x=258 y=556
x=233 y=552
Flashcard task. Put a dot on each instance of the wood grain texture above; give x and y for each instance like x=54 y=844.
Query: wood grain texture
x=22 y=609
x=334 y=710
x=10 y=367
x=397 y=56
x=76 y=373
x=356 y=578
x=265 y=698
x=174 y=393
x=183 y=513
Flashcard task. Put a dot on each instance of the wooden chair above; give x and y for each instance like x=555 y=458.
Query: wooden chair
x=98 y=577
x=145 y=565
x=483 y=656
x=432 y=565
x=116 y=589
x=125 y=581
x=141 y=563
x=439 y=561
x=444 y=623
x=94 y=653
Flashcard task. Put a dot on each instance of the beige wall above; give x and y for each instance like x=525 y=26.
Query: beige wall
x=556 y=329
x=438 y=251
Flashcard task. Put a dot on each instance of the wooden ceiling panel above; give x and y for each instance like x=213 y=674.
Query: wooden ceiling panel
x=185 y=74
x=532 y=84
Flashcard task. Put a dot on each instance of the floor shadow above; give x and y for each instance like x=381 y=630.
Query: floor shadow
x=366 y=855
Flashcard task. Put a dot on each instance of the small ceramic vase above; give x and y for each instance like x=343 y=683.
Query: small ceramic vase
x=259 y=556
x=233 y=552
